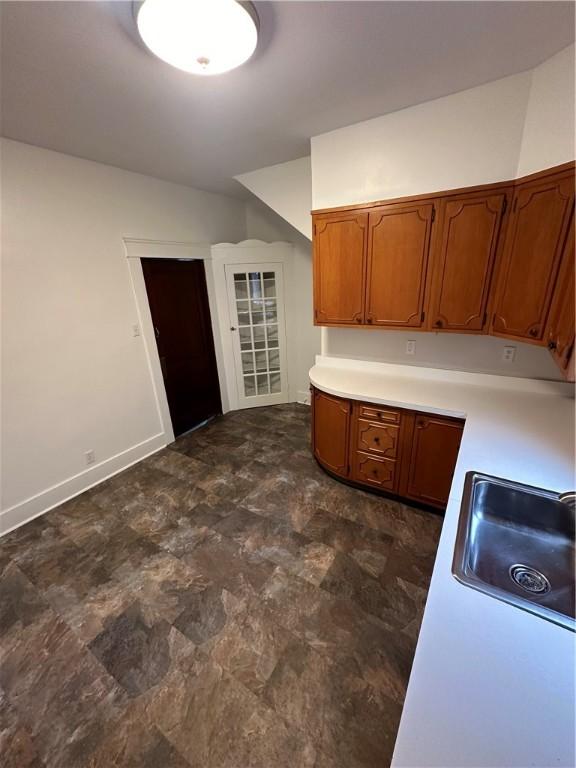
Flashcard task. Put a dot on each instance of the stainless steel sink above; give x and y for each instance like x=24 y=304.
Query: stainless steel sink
x=516 y=543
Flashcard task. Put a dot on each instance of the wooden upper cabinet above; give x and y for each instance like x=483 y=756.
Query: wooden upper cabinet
x=435 y=445
x=535 y=236
x=463 y=257
x=339 y=268
x=331 y=431
x=560 y=333
x=398 y=245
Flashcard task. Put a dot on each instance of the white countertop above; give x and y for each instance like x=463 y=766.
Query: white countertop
x=492 y=686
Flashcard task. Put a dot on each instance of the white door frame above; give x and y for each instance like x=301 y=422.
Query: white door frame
x=215 y=258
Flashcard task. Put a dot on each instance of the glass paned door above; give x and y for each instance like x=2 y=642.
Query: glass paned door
x=256 y=304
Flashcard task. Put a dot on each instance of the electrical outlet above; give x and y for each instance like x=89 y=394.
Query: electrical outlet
x=410 y=347
x=508 y=354
x=90 y=457
x=135 y=330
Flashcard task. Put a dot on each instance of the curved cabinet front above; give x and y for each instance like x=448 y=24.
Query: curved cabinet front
x=330 y=432
x=398 y=451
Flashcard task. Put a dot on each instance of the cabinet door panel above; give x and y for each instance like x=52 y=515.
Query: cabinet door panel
x=340 y=268
x=435 y=445
x=463 y=261
x=331 y=431
x=534 y=240
x=561 y=332
x=398 y=245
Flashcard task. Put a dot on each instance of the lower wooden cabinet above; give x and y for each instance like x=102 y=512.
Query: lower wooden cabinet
x=434 y=445
x=399 y=451
x=330 y=431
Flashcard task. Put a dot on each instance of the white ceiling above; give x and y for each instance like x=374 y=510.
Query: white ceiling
x=76 y=79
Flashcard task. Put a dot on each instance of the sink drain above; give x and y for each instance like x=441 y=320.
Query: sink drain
x=529 y=579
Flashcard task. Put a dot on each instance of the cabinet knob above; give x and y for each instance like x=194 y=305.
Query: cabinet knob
x=369 y=319
x=358 y=319
x=438 y=323
x=533 y=332
x=420 y=423
x=377 y=440
x=552 y=345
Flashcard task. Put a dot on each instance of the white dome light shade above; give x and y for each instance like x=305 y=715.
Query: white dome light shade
x=205 y=37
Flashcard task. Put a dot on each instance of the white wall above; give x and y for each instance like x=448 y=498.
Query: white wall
x=548 y=137
x=468 y=138
x=264 y=224
x=458 y=352
x=74 y=377
x=287 y=189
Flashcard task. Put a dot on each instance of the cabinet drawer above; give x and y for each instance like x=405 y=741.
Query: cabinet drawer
x=372 y=412
x=375 y=470
x=379 y=438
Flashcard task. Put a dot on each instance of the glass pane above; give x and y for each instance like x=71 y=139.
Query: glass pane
x=259 y=333
x=269 y=288
x=272 y=333
x=263 y=388
x=243 y=318
x=274 y=360
x=247 y=362
x=271 y=314
x=275 y=384
x=245 y=336
x=255 y=289
x=261 y=361
x=242 y=305
x=241 y=288
x=257 y=305
x=268 y=275
x=249 y=386
x=257 y=318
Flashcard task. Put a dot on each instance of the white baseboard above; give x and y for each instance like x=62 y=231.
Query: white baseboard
x=15 y=516
x=304 y=397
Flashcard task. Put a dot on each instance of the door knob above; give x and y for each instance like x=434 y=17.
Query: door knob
x=232 y=328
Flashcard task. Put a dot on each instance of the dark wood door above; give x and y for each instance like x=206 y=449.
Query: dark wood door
x=536 y=233
x=435 y=444
x=339 y=268
x=331 y=431
x=560 y=334
x=463 y=258
x=398 y=245
x=181 y=316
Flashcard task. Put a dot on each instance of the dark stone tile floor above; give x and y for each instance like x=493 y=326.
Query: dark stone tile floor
x=221 y=604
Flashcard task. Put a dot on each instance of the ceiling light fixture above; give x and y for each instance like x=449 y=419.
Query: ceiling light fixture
x=205 y=37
